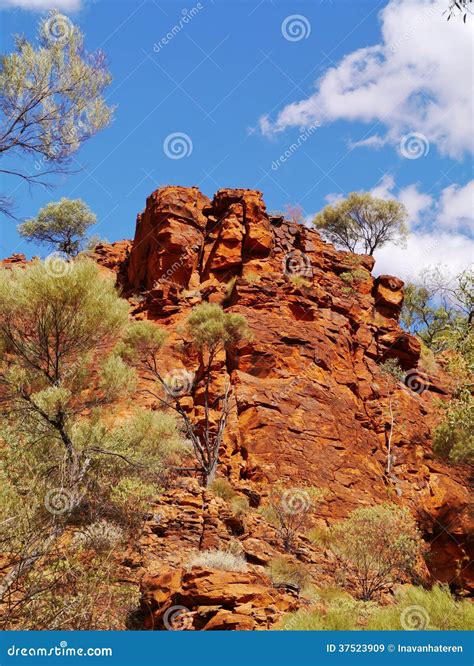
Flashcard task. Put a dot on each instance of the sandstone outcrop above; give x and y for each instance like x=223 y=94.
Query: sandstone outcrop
x=309 y=402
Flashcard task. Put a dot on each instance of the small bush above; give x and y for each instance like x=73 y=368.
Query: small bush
x=218 y=559
x=240 y=506
x=101 y=536
x=453 y=438
x=299 y=281
x=340 y=617
x=378 y=545
x=391 y=369
x=253 y=277
x=223 y=489
x=285 y=571
x=289 y=511
x=320 y=536
x=419 y=609
x=415 y=609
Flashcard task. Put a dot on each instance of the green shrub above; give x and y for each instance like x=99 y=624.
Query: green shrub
x=285 y=571
x=240 y=506
x=391 y=369
x=222 y=488
x=289 y=510
x=415 y=609
x=320 y=536
x=378 y=546
x=453 y=438
x=418 y=609
x=299 y=281
x=253 y=277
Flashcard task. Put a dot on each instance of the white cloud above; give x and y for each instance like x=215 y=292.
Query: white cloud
x=42 y=5
x=415 y=201
x=416 y=80
x=457 y=207
x=440 y=229
x=424 y=250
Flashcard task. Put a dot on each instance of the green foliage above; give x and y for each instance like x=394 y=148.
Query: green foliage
x=453 y=438
x=377 y=545
x=414 y=609
x=71 y=591
x=289 y=510
x=391 y=370
x=240 y=506
x=51 y=97
x=143 y=340
x=212 y=329
x=253 y=277
x=439 y=309
x=363 y=221
x=62 y=225
x=66 y=458
x=353 y=278
x=320 y=536
x=417 y=608
x=299 y=281
x=222 y=488
x=286 y=571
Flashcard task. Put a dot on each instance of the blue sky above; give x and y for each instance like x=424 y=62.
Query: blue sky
x=349 y=89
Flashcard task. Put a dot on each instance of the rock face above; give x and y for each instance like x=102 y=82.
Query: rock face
x=310 y=404
x=212 y=600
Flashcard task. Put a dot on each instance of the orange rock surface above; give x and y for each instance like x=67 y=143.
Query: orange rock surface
x=309 y=402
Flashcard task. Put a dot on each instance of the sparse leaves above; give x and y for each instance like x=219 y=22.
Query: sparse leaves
x=363 y=222
x=62 y=225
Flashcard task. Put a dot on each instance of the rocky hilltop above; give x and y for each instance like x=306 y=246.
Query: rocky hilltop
x=309 y=402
